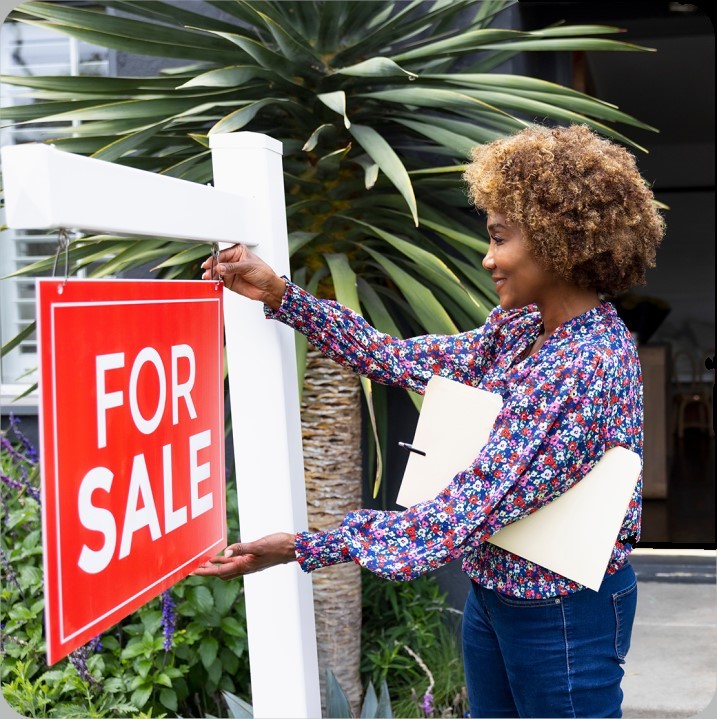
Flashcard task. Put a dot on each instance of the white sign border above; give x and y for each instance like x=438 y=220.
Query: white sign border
x=54 y=306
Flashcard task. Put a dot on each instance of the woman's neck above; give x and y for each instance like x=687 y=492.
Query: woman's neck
x=566 y=302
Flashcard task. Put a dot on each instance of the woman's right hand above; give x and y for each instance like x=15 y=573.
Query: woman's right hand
x=246 y=274
x=248 y=557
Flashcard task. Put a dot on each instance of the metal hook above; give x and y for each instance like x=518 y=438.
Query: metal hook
x=63 y=243
x=215 y=260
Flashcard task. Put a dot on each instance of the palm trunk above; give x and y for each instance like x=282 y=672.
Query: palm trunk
x=331 y=433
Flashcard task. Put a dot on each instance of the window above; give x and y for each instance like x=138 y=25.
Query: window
x=31 y=50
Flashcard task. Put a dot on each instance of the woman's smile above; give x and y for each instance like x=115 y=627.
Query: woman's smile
x=509 y=258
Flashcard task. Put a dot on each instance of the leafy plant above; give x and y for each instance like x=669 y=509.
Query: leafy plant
x=372 y=707
x=237 y=707
x=410 y=639
x=175 y=655
x=183 y=652
x=63 y=693
x=377 y=105
x=338 y=706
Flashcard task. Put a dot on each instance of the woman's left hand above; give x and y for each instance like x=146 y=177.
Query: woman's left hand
x=248 y=557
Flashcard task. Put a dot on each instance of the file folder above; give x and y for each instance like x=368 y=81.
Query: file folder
x=572 y=535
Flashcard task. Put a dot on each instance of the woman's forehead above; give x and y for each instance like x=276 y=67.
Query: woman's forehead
x=497 y=220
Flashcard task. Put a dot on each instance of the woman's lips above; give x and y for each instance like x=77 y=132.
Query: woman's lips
x=499 y=282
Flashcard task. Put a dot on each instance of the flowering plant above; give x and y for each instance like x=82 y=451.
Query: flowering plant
x=175 y=655
x=411 y=640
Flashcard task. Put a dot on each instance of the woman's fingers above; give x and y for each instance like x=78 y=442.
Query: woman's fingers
x=232 y=254
x=231 y=553
x=205 y=565
x=223 y=571
x=225 y=270
x=242 y=272
x=232 y=268
x=224 y=567
x=223 y=560
x=248 y=557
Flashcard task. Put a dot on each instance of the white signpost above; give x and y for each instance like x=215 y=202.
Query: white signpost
x=46 y=188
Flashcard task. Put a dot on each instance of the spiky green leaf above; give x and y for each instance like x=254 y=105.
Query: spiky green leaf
x=376 y=67
x=390 y=163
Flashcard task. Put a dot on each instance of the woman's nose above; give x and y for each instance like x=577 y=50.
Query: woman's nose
x=488 y=262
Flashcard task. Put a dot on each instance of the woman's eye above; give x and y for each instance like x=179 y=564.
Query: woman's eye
x=497 y=240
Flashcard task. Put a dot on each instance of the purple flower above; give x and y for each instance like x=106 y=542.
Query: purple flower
x=168 y=619
x=8 y=447
x=33 y=492
x=78 y=659
x=9 y=572
x=29 y=450
x=22 y=457
x=427 y=704
x=13 y=483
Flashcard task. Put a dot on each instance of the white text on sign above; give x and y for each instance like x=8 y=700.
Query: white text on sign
x=147 y=355
x=140 y=506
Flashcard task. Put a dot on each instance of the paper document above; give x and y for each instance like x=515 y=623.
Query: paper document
x=573 y=535
x=455 y=422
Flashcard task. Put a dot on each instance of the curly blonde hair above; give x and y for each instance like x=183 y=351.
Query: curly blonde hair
x=586 y=211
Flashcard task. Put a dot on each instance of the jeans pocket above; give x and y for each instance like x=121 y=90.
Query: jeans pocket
x=524 y=603
x=625 y=604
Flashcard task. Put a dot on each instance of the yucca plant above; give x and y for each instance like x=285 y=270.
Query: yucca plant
x=377 y=104
x=338 y=706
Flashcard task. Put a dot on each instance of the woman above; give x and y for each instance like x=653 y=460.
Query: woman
x=570 y=220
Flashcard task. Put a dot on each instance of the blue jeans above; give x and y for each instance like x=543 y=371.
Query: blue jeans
x=557 y=657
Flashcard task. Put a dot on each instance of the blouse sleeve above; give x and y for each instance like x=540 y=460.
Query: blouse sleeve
x=346 y=337
x=545 y=438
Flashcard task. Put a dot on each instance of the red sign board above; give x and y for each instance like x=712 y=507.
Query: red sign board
x=132 y=438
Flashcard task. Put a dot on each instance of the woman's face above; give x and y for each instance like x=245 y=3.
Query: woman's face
x=519 y=279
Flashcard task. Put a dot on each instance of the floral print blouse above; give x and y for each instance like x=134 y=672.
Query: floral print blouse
x=564 y=406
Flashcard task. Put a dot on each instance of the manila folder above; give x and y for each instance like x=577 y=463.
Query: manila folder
x=573 y=535
x=455 y=422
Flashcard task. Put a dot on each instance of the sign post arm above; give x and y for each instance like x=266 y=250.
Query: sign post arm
x=46 y=188
x=261 y=362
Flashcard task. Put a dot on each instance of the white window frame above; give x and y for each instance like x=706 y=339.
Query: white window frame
x=18 y=370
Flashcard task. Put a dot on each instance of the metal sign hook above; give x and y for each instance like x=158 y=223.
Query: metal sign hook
x=63 y=244
x=215 y=260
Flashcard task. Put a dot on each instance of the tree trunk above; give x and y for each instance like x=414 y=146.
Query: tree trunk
x=331 y=433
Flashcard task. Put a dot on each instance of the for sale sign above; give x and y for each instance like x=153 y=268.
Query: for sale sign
x=132 y=437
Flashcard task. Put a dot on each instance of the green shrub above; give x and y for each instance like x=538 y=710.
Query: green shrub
x=410 y=639
x=182 y=651
x=173 y=656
